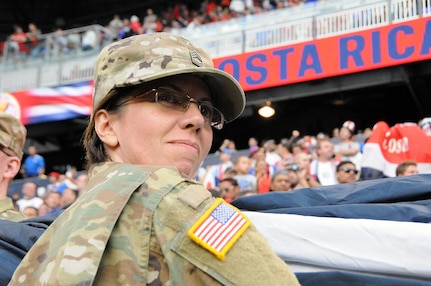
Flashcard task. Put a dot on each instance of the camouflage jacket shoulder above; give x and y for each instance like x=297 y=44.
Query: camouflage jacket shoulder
x=8 y=212
x=73 y=246
x=131 y=227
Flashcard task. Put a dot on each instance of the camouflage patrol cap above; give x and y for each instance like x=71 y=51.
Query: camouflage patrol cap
x=144 y=58
x=12 y=133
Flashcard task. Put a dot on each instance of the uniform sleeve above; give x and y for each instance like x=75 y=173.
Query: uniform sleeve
x=249 y=260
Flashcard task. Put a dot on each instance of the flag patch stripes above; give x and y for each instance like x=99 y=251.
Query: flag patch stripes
x=219 y=228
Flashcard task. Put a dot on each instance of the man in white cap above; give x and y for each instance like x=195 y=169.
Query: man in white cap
x=348 y=149
x=425 y=125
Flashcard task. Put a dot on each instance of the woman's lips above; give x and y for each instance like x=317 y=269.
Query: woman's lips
x=187 y=144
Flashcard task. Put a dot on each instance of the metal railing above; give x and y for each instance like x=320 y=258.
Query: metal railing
x=52 y=59
x=58 y=45
x=250 y=33
x=369 y=16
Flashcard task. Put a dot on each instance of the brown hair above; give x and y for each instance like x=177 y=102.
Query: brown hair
x=342 y=163
x=319 y=142
x=94 y=148
x=402 y=167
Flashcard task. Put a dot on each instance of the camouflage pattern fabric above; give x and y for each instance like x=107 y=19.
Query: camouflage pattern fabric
x=147 y=57
x=8 y=212
x=130 y=228
x=12 y=133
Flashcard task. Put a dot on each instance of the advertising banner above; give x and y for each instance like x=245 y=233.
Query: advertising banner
x=380 y=47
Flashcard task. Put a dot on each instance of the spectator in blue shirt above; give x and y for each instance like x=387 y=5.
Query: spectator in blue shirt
x=34 y=164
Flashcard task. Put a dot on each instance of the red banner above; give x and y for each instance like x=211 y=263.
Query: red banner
x=390 y=45
x=389 y=146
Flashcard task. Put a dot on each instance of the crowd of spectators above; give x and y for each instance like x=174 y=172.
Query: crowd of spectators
x=301 y=161
x=47 y=194
x=22 y=44
x=179 y=16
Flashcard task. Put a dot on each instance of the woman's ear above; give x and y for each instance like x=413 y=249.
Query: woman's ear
x=103 y=124
x=12 y=167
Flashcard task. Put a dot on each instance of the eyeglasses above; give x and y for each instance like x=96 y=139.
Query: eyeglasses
x=7 y=151
x=176 y=100
x=292 y=167
x=348 y=170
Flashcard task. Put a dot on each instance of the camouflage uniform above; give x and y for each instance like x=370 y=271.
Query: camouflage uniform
x=12 y=133
x=140 y=225
x=8 y=212
x=130 y=228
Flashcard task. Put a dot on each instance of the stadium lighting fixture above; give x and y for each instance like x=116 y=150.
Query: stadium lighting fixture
x=267 y=110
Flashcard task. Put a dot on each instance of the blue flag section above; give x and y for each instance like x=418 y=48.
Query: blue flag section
x=16 y=239
x=400 y=199
x=339 y=278
x=364 y=233
x=374 y=232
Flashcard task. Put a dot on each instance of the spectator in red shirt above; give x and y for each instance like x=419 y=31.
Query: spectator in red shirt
x=210 y=6
x=18 y=43
x=135 y=24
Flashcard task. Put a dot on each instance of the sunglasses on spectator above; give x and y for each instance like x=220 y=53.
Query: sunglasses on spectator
x=226 y=189
x=348 y=170
x=179 y=101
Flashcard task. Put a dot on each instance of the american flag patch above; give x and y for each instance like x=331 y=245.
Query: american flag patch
x=219 y=228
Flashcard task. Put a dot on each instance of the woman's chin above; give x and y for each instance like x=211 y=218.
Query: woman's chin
x=187 y=170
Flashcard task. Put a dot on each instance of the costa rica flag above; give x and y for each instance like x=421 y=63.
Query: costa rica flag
x=389 y=146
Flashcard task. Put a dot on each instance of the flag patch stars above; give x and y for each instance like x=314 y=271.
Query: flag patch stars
x=219 y=228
